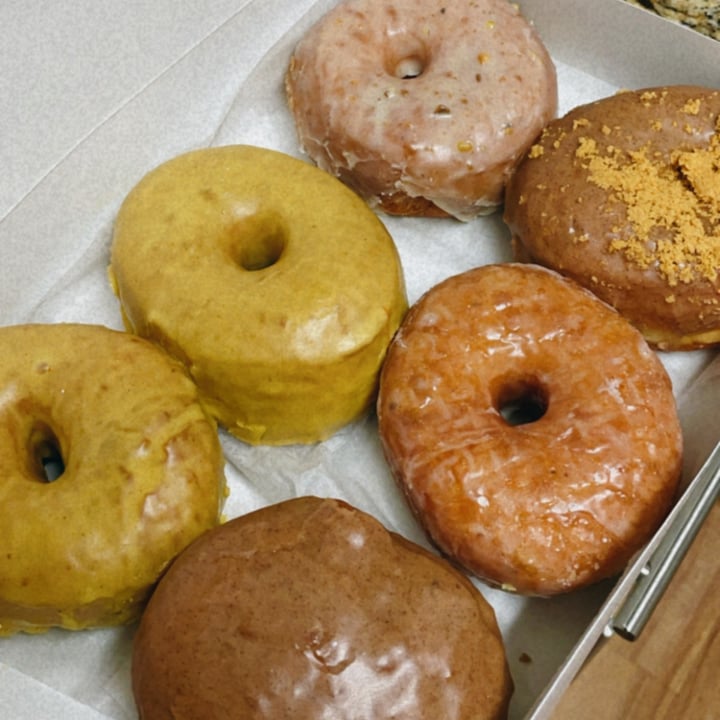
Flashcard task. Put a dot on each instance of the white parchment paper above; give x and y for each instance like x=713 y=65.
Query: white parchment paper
x=216 y=78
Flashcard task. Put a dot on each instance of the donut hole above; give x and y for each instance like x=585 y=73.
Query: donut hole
x=262 y=252
x=406 y=58
x=522 y=402
x=47 y=458
x=409 y=67
x=258 y=242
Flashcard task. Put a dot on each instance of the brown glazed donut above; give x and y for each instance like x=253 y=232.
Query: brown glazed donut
x=563 y=493
x=310 y=609
x=623 y=195
x=423 y=107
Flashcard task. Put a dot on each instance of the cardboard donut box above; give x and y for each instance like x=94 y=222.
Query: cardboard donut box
x=186 y=75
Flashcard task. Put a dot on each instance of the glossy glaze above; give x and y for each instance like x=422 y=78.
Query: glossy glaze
x=311 y=610
x=544 y=506
x=445 y=139
x=143 y=474
x=275 y=285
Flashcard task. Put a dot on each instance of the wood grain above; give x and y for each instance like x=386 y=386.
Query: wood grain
x=672 y=671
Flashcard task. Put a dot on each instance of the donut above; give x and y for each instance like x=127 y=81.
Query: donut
x=422 y=107
x=623 y=195
x=311 y=609
x=109 y=467
x=275 y=285
x=531 y=428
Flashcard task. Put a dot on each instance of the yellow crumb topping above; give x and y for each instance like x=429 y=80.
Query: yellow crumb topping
x=701 y=170
x=692 y=107
x=673 y=209
x=536 y=151
x=647 y=97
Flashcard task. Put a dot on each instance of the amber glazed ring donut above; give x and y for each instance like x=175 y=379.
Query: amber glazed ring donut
x=531 y=428
x=137 y=474
x=422 y=106
x=275 y=285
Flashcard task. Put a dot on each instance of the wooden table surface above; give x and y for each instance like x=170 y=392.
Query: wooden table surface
x=672 y=671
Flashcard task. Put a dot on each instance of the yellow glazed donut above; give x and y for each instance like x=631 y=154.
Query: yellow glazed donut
x=532 y=429
x=276 y=286
x=141 y=474
x=423 y=107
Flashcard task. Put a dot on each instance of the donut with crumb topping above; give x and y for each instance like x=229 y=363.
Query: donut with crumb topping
x=423 y=108
x=623 y=195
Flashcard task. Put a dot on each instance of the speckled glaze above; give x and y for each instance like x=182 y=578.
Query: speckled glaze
x=311 y=610
x=143 y=474
x=272 y=282
x=555 y=503
x=443 y=141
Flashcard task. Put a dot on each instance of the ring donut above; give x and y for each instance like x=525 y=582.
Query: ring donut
x=140 y=474
x=276 y=286
x=423 y=108
x=531 y=428
x=623 y=196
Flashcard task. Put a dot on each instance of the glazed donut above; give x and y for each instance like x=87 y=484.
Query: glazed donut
x=423 y=108
x=531 y=428
x=140 y=474
x=311 y=609
x=273 y=283
x=623 y=195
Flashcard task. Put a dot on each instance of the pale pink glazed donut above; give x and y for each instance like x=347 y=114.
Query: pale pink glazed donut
x=423 y=107
x=562 y=496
